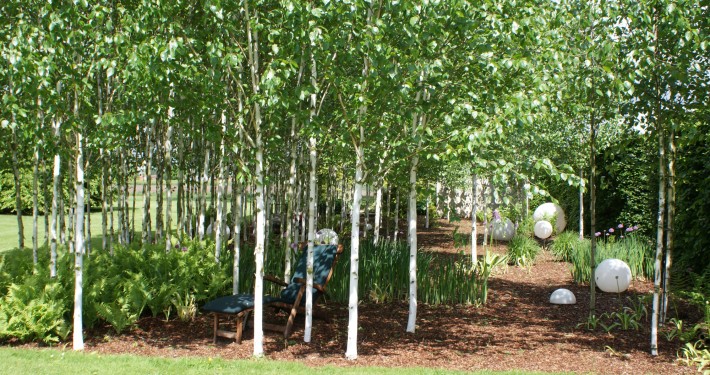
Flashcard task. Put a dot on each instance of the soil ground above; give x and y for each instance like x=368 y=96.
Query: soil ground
x=516 y=329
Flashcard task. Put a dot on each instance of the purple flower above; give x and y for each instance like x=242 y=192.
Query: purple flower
x=294 y=245
x=620 y=226
x=636 y=227
x=496 y=215
x=629 y=229
x=597 y=234
x=611 y=230
x=184 y=248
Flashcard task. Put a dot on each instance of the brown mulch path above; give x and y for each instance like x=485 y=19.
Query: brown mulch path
x=516 y=329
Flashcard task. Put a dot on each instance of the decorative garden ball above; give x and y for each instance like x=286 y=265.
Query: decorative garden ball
x=543 y=229
x=502 y=229
x=549 y=210
x=563 y=296
x=326 y=237
x=613 y=276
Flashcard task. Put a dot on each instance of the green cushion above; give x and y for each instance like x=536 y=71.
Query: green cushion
x=323 y=258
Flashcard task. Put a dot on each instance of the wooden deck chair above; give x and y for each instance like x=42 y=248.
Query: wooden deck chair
x=292 y=298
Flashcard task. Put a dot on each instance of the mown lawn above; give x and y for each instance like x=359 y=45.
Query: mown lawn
x=52 y=361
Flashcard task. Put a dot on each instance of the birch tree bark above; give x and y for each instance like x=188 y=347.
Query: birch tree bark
x=311 y=238
x=474 y=224
x=78 y=335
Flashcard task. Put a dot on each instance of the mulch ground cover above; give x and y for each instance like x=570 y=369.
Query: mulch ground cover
x=516 y=329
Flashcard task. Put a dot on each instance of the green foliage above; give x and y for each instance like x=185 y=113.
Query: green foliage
x=384 y=276
x=526 y=228
x=117 y=289
x=522 y=251
x=635 y=249
x=35 y=310
x=564 y=244
x=629 y=317
x=460 y=239
x=693 y=201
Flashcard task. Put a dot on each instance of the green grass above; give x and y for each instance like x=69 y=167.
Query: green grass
x=50 y=361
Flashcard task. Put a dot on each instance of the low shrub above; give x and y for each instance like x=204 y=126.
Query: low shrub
x=522 y=250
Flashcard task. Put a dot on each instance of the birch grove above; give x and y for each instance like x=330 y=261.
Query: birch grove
x=207 y=122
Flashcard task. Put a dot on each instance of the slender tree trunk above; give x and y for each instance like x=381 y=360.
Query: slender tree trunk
x=311 y=238
x=203 y=193
x=378 y=213
x=290 y=202
x=78 y=338
x=351 y=352
x=47 y=201
x=104 y=199
x=670 y=203
x=581 y=204
x=220 y=193
x=592 y=212
x=411 y=322
x=253 y=57
x=396 y=214
x=35 y=205
x=659 y=235
x=53 y=226
x=237 y=241
x=168 y=178
x=18 y=190
x=388 y=218
x=474 y=226
x=146 y=235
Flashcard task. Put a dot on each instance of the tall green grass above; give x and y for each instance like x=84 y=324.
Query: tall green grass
x=634 y=249
x=522 y=250
x=384 y=276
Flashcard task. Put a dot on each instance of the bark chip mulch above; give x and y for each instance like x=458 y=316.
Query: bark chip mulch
x=516 y=329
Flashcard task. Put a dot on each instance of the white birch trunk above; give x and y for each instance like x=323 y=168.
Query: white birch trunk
x=35 y=205
x=474 y=225
x=203 y=193
x=411 y=322
x=253 y=56
x=581 y=204
x=311 y=238
x=146 y=235
x=220 y=194
x=78 y=337
x=659 y=243
x=168 y=178
x=237 y=240
x=396 y=215
x=378 y=213
x=351 y=352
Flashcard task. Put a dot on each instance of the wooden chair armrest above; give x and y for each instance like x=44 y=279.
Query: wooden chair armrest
x=317 y=287
x=275 y=280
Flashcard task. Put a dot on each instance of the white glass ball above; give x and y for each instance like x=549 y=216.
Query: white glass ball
x=563 y=297
x=326 y=237
x=502 y=229
x=543 y=229
x=613 y=276
x=549 y=210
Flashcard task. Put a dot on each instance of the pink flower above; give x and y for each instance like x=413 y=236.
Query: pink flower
x=597 y=234
x=611 y=230
x=629 y=229
x=620 y=226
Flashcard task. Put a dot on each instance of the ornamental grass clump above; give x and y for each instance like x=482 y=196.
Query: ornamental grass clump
x=384 y=276
x=522 y=251
x=624 y=243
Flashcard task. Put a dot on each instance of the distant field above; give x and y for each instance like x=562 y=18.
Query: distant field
x=8 y=225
